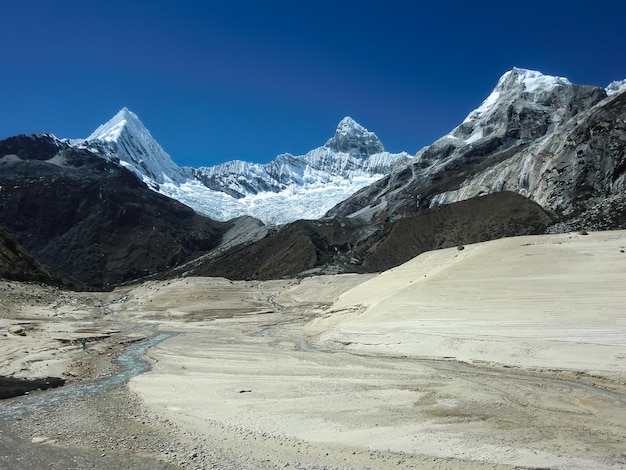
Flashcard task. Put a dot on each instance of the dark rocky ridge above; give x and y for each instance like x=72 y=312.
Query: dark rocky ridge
x=91 y=220
x=17 y=264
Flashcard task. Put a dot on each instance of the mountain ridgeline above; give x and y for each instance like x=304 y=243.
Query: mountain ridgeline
x=561 y=145
x=306 y=185
x=539 y=154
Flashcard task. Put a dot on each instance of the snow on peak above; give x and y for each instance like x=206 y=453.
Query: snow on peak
x=515 y=81
x=616 y=87
x=348 y=125
x=126 y=137
x=111 y=130
x=351 y=137
x=531 y=80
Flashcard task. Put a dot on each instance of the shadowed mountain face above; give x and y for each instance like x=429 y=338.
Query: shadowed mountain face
x=90 y=219
x=17 y=264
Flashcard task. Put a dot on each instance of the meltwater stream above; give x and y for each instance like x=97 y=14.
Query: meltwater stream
x=131 y=364
x=16 y=452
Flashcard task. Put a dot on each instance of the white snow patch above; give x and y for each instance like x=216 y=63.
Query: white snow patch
x=616 y=87
x=484 y=108
x=476 y=135
x=532 y=80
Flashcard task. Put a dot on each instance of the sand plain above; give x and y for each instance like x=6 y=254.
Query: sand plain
x=505 y=354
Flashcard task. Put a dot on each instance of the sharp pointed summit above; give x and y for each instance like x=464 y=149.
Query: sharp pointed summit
x=126 y=137
x=124 y=120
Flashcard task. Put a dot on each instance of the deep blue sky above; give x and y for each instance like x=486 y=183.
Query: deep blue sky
x=215 y=81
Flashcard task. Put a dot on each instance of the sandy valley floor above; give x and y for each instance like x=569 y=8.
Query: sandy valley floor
x=506 y=354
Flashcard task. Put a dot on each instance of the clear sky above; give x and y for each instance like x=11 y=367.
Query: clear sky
x=221 y=80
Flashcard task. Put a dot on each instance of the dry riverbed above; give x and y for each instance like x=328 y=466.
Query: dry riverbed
x=443 y=363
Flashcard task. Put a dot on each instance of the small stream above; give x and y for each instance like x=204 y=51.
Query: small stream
x=131 y=364
x=20 y=453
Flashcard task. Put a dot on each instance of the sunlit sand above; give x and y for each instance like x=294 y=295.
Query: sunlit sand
x=500 y=354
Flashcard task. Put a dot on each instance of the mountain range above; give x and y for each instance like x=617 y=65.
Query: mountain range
x=286 y=189
x=556 y=143
x=539 y=154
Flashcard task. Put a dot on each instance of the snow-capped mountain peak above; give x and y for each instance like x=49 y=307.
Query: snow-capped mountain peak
x=297 y=187
x=111 y=130
x=513 y=83
x=125 y=137
x=616 y=87
x=531 y=80
x=351 y=137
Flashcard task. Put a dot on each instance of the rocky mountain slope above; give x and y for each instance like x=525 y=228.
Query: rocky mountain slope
x=286 y=189
x=559 y=144
x=91 y=220
x=540 y=154
x=17 y=264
